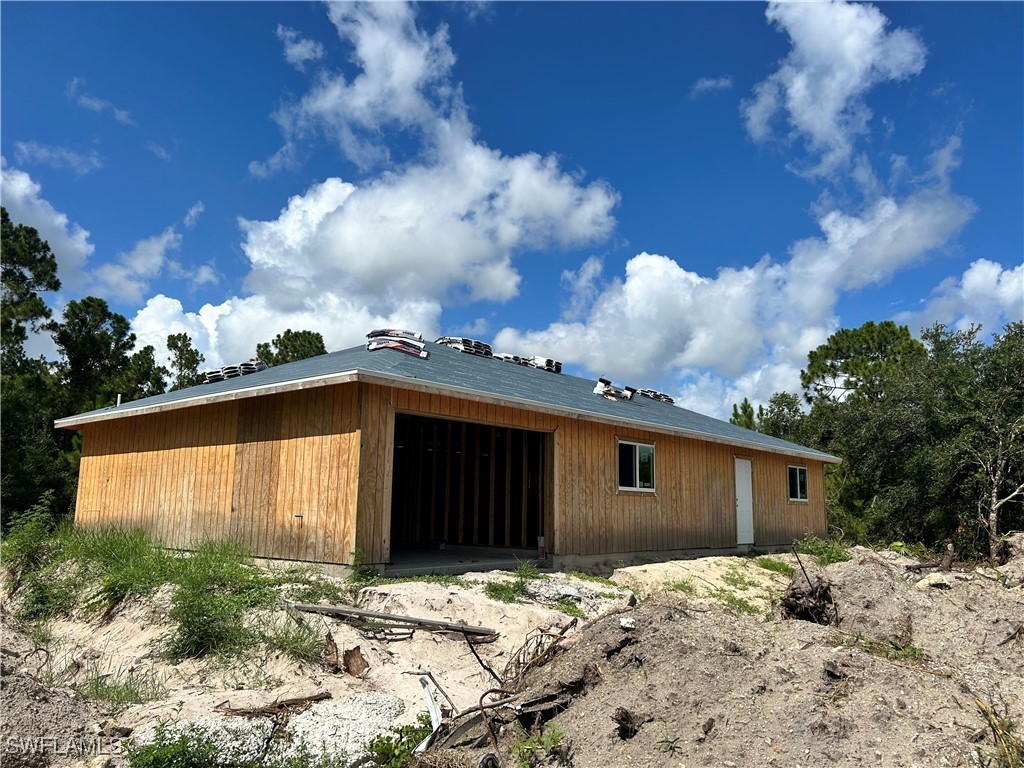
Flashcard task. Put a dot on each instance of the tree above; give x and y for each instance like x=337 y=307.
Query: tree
x=290 y=346
x=783 y=418
x=96 y=344
x=854 y=360
x=185 y=361
x=28 y=266
x=744 y=416
x=141 y=377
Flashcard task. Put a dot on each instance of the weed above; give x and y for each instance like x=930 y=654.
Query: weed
x=28 y=545
x=361 y=573
x=299 y=641
x=775 y=566
x=595 y=579
x=119 y=691
x=526 y=570
x=887 y=649
x=505 y=591
x=609 y=595
x=187 y=748
x=540 y=748
x=737 y=602
x=686 y=586
x=734 y=578
x=569 y=607
x=45 y=597
x=824 y=551
x=1009 y=747
x=395 y=750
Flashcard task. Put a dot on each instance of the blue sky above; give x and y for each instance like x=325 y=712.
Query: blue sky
x=684 y=196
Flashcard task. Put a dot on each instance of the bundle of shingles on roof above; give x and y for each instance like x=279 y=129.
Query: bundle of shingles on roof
x=543 y=363
x=605 y=388
x=469 y=346
x=234 y=371
x=409 y=342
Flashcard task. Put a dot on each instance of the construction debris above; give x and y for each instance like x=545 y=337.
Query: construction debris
x=377 y=620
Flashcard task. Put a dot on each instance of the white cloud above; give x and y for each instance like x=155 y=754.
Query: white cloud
x=69 y=242
x=229 y=332
x=159 y=151
x=744 y=331
x=297 y=49
x=128 y=278
x=193 y=214
x=58 y=157
x=88 y=101
x=839 y=51
x=985 y=294
x=709 y=84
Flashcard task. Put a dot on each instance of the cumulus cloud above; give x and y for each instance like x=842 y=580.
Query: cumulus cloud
x=94 y=104
x=985 y=294
x=128 y=278
x=839 y=52
x=229 y=332
x=710 y=84
x=81 y=163
x=69 y=242
x=297 y=49
x=744 y=331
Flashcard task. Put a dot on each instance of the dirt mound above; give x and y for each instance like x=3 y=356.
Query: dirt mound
x=44 y=725
x=685 y=681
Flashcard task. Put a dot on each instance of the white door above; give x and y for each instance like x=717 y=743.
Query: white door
x=744 y=503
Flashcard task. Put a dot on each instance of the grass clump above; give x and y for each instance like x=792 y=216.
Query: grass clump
x=735 y=579
x=120 y=691
x=506 y=591
x=1009 y=746
x=569 y=607
x=394 y=750
x=298 y=641
x=891 y=649
x=735 y=601
x=824 y=551
x=217 y=586
x=686 y=586
x=775 y=566
x=595 y=579
x=187 y=748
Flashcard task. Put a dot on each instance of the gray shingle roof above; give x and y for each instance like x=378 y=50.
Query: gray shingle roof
x=467 y=375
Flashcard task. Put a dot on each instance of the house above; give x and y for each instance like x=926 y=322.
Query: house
x=379 y=450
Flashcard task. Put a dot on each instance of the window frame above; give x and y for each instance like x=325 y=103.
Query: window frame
x=800 y=468
x=636 y=445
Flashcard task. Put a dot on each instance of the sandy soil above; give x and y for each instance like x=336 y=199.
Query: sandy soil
x=703 y=671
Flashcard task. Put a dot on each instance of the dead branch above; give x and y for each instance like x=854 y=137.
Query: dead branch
x=299 y=704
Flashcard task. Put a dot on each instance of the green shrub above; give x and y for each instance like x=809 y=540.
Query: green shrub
x=29 y=543
x=526 y=570
x=188 y=748
x=394 y=750
x=737 y=602
x=595 y=579
x=824 y=551
x=686 y=586
x=45 y=597
x=542 y=749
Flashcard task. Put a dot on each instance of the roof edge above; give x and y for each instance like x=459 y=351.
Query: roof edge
x=73 y=422
x=411 y=383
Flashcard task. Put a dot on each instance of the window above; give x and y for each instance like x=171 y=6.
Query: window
x=797 y=483
x=636 y=466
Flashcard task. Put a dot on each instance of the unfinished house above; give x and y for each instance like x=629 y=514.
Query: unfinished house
x=380 y=451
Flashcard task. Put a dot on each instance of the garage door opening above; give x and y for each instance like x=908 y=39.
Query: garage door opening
x=457 y=483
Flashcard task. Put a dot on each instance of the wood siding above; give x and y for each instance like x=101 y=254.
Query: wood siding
x=308 y=475
x=278 y=473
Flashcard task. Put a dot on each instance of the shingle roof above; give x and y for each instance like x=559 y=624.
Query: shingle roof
x=461 y=374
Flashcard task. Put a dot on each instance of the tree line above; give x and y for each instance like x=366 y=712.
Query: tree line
x=98 y=361
x=931 y=431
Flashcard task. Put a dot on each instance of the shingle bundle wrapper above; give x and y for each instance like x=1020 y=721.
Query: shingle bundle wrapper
x=398 y=339
x=469 y=346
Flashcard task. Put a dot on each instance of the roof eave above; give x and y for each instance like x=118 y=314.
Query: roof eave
x=419 y=385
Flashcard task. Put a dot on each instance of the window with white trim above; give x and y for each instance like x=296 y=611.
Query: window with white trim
x=636 y=466
x=797 y=483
